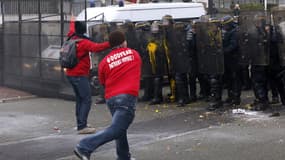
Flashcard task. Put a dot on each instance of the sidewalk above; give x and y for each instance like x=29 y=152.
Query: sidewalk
x=9 y=94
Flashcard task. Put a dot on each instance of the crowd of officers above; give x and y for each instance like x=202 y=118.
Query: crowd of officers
x=218 y=53
x=183 y=54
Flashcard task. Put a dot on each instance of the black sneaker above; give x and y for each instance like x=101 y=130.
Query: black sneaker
x=214 y=106
x=228 y=102
x=232 y=102
x=155 y=101
x=81 y=155
x=260 y=106
x=100 y=100
x=193 y=98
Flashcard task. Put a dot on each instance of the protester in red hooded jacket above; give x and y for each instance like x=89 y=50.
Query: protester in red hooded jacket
x=79 y=75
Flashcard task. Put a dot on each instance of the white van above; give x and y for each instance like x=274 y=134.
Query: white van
x=143 y=12
x=138 y=12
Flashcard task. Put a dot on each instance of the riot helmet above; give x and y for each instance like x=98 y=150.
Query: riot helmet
x=228 y=22
x=129 y=24
x=167 y=20
x=154 y=27
x=180 y=25
x=260 y=20
x=215 y=21
x=145 y=26
x=194 y=24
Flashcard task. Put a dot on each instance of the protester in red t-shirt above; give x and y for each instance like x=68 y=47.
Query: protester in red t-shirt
x=79 y=75
x=120 y=73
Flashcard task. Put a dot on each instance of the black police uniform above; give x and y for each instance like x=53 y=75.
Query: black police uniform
x=232 y=67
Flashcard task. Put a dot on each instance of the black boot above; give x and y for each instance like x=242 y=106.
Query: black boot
x=246 y=81
x=157 y=97
x=259 y=78
x=148 y=89
x=260 y=105
x=232 y=101
x=233 y=98
x=193 y=88
x=182 y=90
x=274 y=91
x=275 y=100
x=216 y=93
x=214 y=105
x=204 y=85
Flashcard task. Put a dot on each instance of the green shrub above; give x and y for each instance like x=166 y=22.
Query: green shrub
x=256 y=6
x=252 y=6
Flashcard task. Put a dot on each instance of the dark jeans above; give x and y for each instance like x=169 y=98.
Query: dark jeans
x=122 y=108
x=81 y=87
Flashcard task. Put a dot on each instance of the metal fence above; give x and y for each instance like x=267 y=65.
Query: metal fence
x=30 y=36
x=30 y=6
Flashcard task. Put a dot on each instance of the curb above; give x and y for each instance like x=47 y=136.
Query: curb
x=18 y=98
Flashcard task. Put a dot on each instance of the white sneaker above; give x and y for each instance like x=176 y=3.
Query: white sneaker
x=87 y=130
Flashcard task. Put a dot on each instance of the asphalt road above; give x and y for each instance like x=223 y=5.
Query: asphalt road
x=42 y=128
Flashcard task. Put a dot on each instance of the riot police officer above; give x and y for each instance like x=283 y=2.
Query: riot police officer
x=278 y=35
x=181 y=62
x=211 y=58
x=169 y=48
x=143 y=35
x=259 y=64
x=231 y=56
x=275 y=67
x=193 y=71
x=156 y=63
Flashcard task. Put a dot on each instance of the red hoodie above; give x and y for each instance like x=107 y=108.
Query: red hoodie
x=120 y=72
x=84 y=47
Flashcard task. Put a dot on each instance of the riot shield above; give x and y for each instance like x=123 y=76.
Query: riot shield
x=246 y=28
x=279 y=27
x=155 y=50
x=253 y=39
x=180 y=55
x=143 y=35
x=131 y=35
x=142 y=32
x=209 y=47
x=168 y=45
x=128 y=28
x=260 y=42
x=99 y=33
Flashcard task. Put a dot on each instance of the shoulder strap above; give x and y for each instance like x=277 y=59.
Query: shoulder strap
x=77 y=40
x=71 y=36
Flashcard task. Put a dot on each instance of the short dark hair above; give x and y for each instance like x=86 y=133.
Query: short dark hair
x=80 y=27
x=116 y=38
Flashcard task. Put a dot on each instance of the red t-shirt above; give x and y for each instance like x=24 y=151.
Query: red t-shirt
x=83 y=48
x=120 y=72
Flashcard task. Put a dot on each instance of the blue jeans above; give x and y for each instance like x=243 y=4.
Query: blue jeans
x=122 y=108
x=81 y=87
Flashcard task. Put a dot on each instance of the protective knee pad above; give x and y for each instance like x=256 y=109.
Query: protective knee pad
x=181 y=77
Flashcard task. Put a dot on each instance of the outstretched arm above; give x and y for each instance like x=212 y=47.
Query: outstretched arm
x=71 y=26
